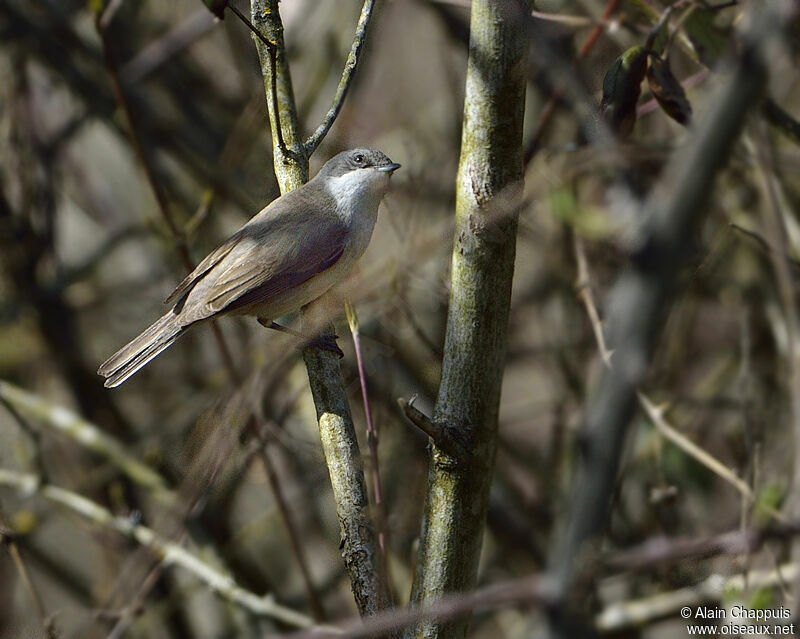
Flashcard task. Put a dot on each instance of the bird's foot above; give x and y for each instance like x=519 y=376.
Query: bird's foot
x=326 y=343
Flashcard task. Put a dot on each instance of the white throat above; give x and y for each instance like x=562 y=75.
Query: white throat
x=358 y=192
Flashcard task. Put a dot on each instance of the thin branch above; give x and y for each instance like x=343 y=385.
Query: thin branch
x=7 y=539
x=335 y=421
x=169 y=553
x=571 y=21
x=782 y=120
x=536 y=590
x=347 y=77
x=639 y=612
x=31 y=432
x=165 y=47
x=554 y=99
x=273 y=56
x=101 y=25
x=583 y=287
x=291 y=529
x=87 y=435
x=372 y=441
x=655 y=413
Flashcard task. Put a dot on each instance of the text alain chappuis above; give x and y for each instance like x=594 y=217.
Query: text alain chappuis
x=736 y=612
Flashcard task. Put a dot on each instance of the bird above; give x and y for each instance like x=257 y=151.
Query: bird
x=286 y=256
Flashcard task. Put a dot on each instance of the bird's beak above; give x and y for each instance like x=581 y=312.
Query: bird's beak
x=388 y=168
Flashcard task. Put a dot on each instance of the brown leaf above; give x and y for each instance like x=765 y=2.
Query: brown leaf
x=668 y=91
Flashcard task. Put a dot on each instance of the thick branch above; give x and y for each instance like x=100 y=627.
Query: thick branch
x=487 y=196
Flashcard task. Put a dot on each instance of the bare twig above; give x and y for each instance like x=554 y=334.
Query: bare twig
x=527 y=590
x=655 y=413
x=537 y=591
x=101 y=24
x=372 y=441
x=168 y=552
x=638 y=612
x=778 y=230
x=7 y=539
x=583 y=286
x=291 y=529
x=166 y=46
x=347 y=77
x=87 y=435
x=553 y=101
x=272 y=47
x=782 y=120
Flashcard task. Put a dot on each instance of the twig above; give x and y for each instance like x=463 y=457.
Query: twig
x=536 y=590
x=777 y=228
x=87 y=435
x=272 y=47
x=347 y=77
x=781 y=119
x=638 y=612
x=552 y=102
x=440 y=434
x=583 y=287
x=31 y=432
x=291 y=529
x=572 y=21
x=528 y=590
x=7 y=539
x=169 y=553
x=101 y=24
x=372 y=441
x=166 y=46
x=655 y=413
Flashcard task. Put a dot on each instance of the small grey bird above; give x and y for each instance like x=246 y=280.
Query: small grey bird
x=283 y=258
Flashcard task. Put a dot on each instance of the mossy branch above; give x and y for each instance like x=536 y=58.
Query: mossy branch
x=487 y=197
x=335 y=421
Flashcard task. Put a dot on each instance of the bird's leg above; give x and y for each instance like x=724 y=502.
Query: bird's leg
x=325 y=342
x=268 y=323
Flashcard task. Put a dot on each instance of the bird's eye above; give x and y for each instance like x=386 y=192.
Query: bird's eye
x=358 y=158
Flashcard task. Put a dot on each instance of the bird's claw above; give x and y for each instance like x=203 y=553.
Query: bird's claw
x=326 y=343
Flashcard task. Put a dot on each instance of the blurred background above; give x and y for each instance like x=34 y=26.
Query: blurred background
x=87 y=256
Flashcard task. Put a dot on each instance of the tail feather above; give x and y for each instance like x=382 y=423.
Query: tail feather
x=136 y=354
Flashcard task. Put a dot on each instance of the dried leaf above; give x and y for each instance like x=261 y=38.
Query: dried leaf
x=668 y=91
x=621 y=89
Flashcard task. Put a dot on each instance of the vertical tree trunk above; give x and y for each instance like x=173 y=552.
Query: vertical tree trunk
x=488 y=186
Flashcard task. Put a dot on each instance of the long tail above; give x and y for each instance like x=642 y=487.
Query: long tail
x=137 y=353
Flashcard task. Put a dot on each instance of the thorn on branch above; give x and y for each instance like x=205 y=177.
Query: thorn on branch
x=441 y=435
